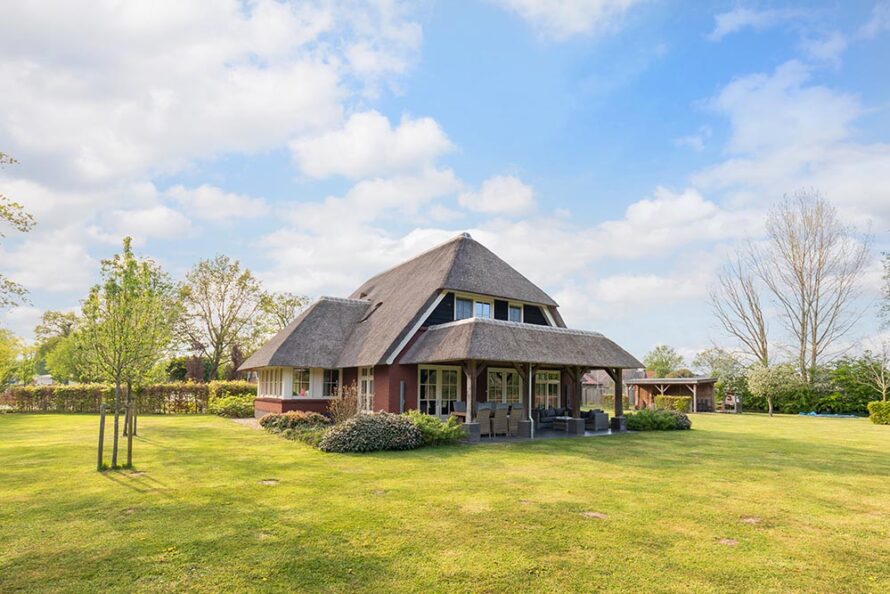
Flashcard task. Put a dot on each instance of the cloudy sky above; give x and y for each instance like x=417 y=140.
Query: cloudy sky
x=611 y=150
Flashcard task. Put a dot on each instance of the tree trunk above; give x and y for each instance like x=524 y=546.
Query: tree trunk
x=127 y=411
x=117 y=410
x=769 y=403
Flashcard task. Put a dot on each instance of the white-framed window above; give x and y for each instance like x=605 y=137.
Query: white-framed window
x=438 y=389
x=330 y=383
x=547 y=389
x=514 y=312
x=472 y=307
x=366 y=389
x=270 y=382
x=504 y=385
x=301 y=383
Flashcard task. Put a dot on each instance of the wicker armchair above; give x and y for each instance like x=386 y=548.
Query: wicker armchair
x=499 y=425
x=517 y=413
x=483 y=417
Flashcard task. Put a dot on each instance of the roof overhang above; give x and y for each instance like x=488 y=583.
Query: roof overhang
x=664 y=381
x=499 y=341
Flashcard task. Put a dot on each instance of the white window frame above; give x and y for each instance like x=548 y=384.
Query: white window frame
x=270 y=381
x=439 y=369
x=366 y=389
x=553 y=377
x=474 y=299
x=520 y=307
x=325 y=382
x=502 y=398
x=308 y=377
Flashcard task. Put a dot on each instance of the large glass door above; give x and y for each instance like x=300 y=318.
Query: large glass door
x=439 y=389
x=504 y=385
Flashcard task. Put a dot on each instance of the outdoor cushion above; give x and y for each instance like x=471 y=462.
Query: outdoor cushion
x=549 y=412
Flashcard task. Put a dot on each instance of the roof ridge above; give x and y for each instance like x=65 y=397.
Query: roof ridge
x=463 y=235
x=553 y=329
x=343 y=300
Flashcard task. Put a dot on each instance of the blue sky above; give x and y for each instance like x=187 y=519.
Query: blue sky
x=614 y=151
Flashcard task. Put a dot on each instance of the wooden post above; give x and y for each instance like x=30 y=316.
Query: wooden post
x=694 y=398
x=130 y=435
x=101 y=435
x=471 y=391
x=576 y=410
x=619 y=394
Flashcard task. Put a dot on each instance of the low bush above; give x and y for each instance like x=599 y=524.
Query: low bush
x=345 y=405
x=435 y=431
x=658 y=420
x=235 y=407
x=678 y=403
x=879 y=412
x=371 y=433
x=295 y=419
x=308 y=435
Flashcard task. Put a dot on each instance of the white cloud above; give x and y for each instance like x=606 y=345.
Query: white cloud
x=215 y=204
x=825 y=48
x=788 y=133
x=562 y=19
x=54 y=262
x=879 y=21
x=371 y=199
x=500 y=194
x=741 y=18
x=695 y=141
x=21 y=321
x=368 y=145
x=144 y=223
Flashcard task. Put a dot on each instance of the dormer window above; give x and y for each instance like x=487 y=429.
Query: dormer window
x=471 y=307
x=514 y=313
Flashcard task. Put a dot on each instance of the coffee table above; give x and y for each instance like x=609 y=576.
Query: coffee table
x=573 y=425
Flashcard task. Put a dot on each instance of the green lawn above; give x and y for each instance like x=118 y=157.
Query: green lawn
x=741 y=503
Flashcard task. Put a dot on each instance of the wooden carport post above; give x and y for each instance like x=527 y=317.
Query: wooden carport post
x=619 y=422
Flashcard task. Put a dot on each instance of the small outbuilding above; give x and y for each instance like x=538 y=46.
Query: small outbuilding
x=700 y=389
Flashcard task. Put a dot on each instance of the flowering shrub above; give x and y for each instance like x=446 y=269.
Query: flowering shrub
x=434 y=431
x=371 y=433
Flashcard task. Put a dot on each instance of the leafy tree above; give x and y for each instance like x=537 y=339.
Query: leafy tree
x=726 y=367
x=127 y=322
x=662 y=360
x=10 y=347
x=222 y=305
x=679 y=373
x=771 y=382
x=282 y=308
x=12 y=214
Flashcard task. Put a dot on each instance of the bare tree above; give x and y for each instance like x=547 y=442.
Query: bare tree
x=14 y=215
x=737 y=305
x=876 y=371
x=811 y=266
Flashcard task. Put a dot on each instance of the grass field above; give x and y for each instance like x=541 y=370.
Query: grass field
x=741 y=503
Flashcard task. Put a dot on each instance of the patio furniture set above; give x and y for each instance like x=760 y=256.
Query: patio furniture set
x=503 y=419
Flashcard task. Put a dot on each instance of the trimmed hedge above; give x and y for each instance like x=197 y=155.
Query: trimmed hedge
x=371 y=433
x=678 y=403
x=658 y=420
x=168 y=398
x=294 y=419
x=879 y=412
x=231 y=399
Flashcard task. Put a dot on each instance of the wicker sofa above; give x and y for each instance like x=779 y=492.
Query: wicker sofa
x=543 y=417
x=595 y=420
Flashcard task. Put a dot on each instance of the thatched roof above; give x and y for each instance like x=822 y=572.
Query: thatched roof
x=495 y=340
x=314 y=339
x=401 y=295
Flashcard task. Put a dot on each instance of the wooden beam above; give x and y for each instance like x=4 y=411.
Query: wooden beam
x=470 y=370
x=619 y=394
x=520 y=371
x=610 y=373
